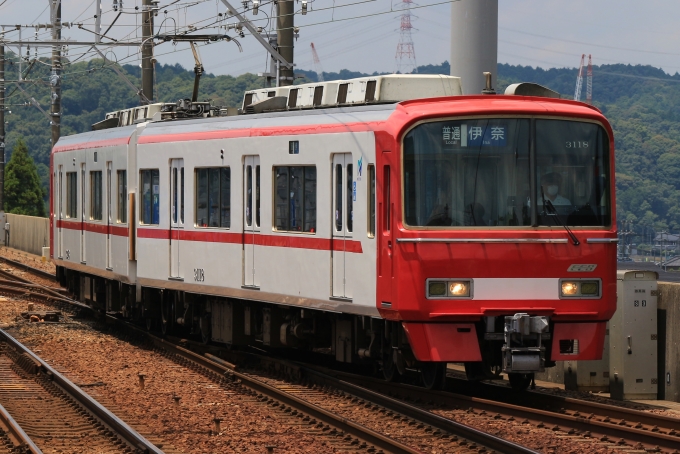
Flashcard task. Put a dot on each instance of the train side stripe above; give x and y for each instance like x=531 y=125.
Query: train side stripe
x=262 y=132
x=258 y=239
x=92 y=227
x=92 y=144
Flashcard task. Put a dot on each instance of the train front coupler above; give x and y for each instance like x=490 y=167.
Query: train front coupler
x=523 y=351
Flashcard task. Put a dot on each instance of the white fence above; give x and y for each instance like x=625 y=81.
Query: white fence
x=27 y=233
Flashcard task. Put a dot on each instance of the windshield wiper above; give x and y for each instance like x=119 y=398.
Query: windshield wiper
x=551 y=208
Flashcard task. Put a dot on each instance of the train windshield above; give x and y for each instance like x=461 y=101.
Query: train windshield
x=480 y=172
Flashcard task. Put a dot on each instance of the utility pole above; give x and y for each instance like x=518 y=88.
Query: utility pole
x=285 y=22
x=147 y=51
x=55 y=77
x=2 y=128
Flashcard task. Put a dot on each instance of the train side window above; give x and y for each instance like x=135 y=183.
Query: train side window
x=150 y=196
x=386 y=199
x=71 y=194
x=249 y=195
x=350 y=195
x=371 y=201
x=122 y=196
x=96 y=195
x=295 y=199
x=257 y=196
x=338 y=198
x=213 y=197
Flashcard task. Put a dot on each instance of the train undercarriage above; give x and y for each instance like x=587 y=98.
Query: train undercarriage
x=514 y=344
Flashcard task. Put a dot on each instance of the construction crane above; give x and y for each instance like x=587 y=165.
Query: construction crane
x=589 y=81
x=579 y=80
x=317 y=64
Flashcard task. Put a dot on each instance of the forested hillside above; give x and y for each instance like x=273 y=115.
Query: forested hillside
x=640 y=101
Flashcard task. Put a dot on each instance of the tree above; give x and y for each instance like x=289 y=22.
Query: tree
x=23 y=192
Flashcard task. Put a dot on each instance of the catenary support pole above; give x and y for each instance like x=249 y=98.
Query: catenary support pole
x=55 y=76
x=285 y=22
x=2 y=128
x=147 y=52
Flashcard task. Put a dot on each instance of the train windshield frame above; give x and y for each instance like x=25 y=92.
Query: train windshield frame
x=509 y=172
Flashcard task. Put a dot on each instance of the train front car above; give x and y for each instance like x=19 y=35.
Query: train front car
x=497 y=236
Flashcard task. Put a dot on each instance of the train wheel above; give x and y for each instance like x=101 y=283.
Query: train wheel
x=520 y=382
x=167 y=313
x=389 y=368
x=433 y=375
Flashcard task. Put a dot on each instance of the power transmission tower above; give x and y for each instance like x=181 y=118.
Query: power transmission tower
x=317 y=64
x=406 y=53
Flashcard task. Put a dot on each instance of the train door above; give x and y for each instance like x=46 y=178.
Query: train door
x=83 y=256
x=343 y=221
x=109 y=166
x=176 y=214
x=251 y=218
x=60 y=213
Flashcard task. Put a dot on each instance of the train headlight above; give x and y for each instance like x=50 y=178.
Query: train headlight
x=569 y=288
x=448 y=288
x=459 y=288
x=580 y=288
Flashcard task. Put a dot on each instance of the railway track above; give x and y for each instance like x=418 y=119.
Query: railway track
x=57 y=415
x=13 y=439
x=309 y=403
x=619 y=427
x=28 y=268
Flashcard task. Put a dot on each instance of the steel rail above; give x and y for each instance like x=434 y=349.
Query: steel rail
x=130 y=435
x=363 y=433
x=17 y=432
x=462 y=430
x=584 y=423
x=28 y=268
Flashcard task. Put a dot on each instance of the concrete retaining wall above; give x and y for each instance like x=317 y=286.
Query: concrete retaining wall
x=27 y=233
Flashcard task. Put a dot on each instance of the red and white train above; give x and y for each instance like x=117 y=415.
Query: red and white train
x=385 y=219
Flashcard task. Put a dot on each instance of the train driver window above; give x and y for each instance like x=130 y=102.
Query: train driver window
x=150 y=196
x=96 y=195
x=295 y=199
x=213 y=197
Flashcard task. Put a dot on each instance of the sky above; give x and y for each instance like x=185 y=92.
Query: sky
x=362 y=35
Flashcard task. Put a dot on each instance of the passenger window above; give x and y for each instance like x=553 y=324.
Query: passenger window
x=213 y=197
x=122 y=196
x=338 y=198
x=295 y=199
x=150 y=196
x=350 y=197
x=249 y=195
x=257 y=196
x=96 y=195
x=371 y=201
x=71 y=194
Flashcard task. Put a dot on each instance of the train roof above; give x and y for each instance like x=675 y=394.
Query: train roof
x=371 y=117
